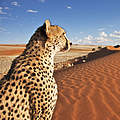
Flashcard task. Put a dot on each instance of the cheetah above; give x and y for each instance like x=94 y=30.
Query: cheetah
x=29 y=90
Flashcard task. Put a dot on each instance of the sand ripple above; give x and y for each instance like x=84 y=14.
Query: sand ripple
x=90 y=91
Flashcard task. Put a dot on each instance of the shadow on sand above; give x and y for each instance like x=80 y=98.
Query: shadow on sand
x=93 y=55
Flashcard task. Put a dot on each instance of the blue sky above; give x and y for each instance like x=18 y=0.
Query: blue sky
x=95 y=22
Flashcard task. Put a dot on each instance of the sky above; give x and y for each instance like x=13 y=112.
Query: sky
x=86 y=22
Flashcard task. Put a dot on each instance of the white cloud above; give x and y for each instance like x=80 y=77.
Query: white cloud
x=117 y=32
x=81 y=32
x=1 y=11
x=69 y=7
x=32 y=11
x=86 y=40
x=103 y=39
x=101 y=29
x=15 y=3
x=114 y=35
x=42 y=1
x=103 y=34
x=89 y=37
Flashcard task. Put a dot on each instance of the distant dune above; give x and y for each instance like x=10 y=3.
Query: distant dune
x=11 y=50
x=112 y=48
x=13 y=45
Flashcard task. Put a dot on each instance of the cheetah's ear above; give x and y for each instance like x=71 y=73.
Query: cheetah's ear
x=47 y=23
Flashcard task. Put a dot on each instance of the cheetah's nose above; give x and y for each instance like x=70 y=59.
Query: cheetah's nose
x=70 y=43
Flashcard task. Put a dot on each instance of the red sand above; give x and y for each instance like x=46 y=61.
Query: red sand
x=11 y=50
x=90 y=91
x=112 y=48
x=13 y=45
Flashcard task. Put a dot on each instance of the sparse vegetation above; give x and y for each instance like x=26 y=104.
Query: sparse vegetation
x=117 y=46
x=99 y=47
x=70 y=43
x=93 y=49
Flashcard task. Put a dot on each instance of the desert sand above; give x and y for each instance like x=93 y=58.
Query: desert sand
x=113 y=48
x=11 y=50
x=90 y=90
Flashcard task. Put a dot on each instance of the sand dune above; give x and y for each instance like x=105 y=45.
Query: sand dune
x=11 y=50
x=113 y=48
x=13 y=45
x=90 y=91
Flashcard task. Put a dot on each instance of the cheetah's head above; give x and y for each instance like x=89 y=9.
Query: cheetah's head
x=56 y=37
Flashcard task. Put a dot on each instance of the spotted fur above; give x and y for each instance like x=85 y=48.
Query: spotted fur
x=29 y=91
